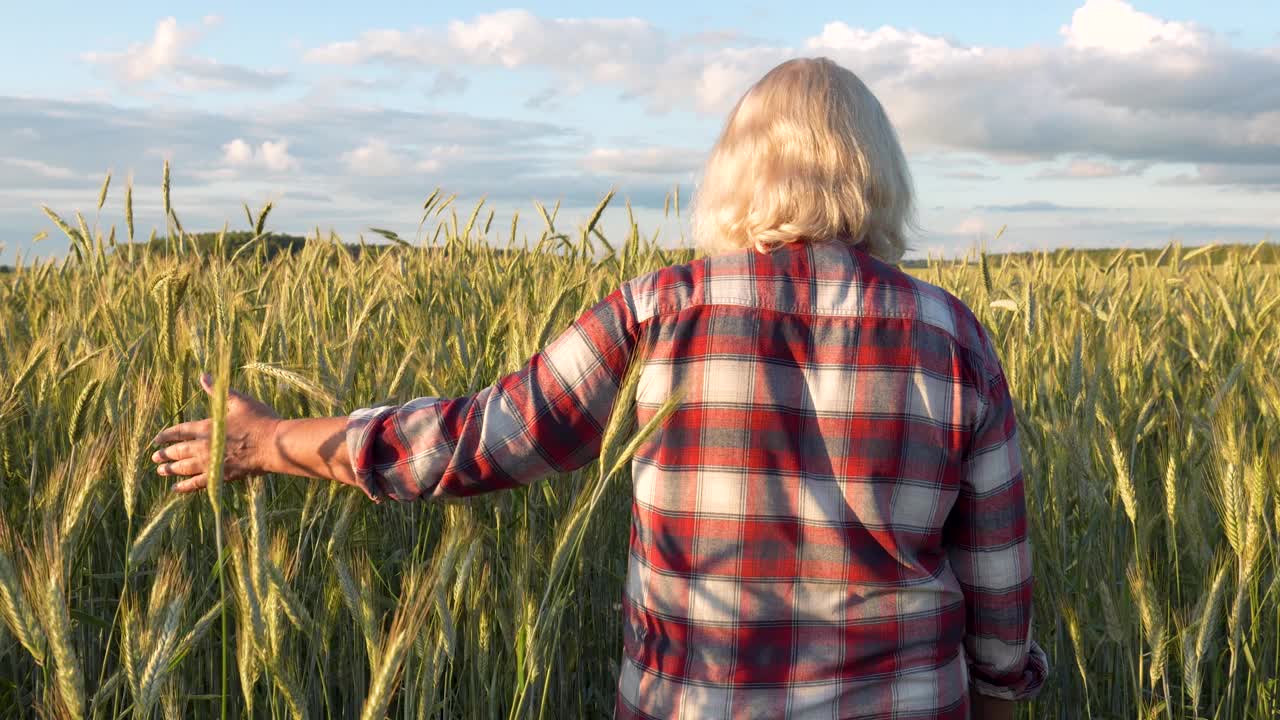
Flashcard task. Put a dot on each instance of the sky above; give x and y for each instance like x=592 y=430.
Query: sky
x=1088 y=123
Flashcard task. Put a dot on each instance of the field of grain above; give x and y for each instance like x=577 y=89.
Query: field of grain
x=1149 y=421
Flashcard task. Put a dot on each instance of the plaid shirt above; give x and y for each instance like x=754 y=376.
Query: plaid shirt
x=830 y=525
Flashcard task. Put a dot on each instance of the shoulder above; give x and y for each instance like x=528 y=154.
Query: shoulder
x=667 y=290
x=902 y=294
x=941 y=308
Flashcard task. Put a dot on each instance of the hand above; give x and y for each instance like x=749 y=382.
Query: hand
x=251 y=426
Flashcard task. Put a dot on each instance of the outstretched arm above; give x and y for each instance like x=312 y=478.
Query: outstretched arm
x=548 y=416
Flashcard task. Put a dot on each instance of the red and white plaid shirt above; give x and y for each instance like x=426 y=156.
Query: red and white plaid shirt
x=830 y=525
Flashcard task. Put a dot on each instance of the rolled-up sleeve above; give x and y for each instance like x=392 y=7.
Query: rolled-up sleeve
x=546 y=417
x=990 y=554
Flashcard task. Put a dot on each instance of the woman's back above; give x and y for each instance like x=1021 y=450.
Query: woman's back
x=835 y=500
x=831 y=524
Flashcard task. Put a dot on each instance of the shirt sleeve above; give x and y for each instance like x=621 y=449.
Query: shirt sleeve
x=990 y=554
x=546 y=417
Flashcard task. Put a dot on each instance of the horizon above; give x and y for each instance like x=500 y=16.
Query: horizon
x=1086 y=124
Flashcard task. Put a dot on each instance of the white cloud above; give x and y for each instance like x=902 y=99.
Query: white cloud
x=665 y=161
x=1258 y=177
x=439 y=157
x=275 y=155
x=1091 y=170
x=515 y=38
x=719 y=82
x=1124 y=86
x=269 y=155
x=972 y=225
x=450 y=150
x=44 y=170
x=1155 y=102
x=202 y=74
x=142 y=61
x=374 y=158
x=1115 y=26
x=895 y=49
x=166 y=57
x=378 y=158
x=237 y=152
x=1264 y=128
x=628 y=52
x=970 y=175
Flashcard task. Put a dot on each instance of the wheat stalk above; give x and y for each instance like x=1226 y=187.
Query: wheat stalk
x=414 y=599
x=18 y=613
x=1124 y=480
x=162 y=515
x=1195 y=652
x=168 y=601
x=57 y=628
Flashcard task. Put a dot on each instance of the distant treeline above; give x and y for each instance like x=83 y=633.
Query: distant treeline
x=207 y=243
x=1268 y=254
x=272 y=244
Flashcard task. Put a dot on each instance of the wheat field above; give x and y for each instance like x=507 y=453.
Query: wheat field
x=1149 y=418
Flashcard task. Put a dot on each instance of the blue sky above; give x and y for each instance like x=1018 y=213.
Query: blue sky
x=1087 y=123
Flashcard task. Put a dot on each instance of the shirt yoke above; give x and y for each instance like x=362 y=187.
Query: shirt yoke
x=829 y=279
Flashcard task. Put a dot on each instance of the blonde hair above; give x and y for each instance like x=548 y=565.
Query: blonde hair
x=806 y=153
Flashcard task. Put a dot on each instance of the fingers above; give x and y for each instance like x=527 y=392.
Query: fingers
x=180 y=451
x=191 y=484
x=193 y=430
x=188 y=466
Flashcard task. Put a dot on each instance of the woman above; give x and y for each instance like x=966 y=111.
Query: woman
x=832 y=523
